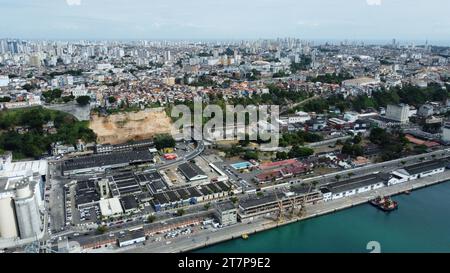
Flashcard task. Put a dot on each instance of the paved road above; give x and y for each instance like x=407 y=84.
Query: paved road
x=80 y=112
x=196 y=152
x=56 y=200
x=385 y=167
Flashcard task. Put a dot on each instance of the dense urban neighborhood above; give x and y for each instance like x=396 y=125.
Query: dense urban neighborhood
x=89 y=161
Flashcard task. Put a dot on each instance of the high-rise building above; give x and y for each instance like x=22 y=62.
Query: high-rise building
x=167 y=56
x=398 y=112
x=446 y=133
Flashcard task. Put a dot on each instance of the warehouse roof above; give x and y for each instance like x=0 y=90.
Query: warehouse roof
x=105 y=160
x=426 y=166
x=191 y=171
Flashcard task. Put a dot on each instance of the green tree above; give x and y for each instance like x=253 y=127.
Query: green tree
x=151 y=218
x=83 y=100
x=282 y=155
x=251 y=155
x=298 y=151
x=164 y=141
x=112 y=99
x=102 y=229
x=181 y=212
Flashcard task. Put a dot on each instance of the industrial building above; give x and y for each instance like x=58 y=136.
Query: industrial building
x=129 y=146
x=353 y=186
x=110 y=207
x=226 y=213
x=21 y=198
x=270 y=203
x=101 y=162
x=192 y=172
x=129 y=204
x=124 y=183
x=191 y=195
x=417 y=171
x=128 y=183
x=131 y=238
x=375 y=181
x=86 y=194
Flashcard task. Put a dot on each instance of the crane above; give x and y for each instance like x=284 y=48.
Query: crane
x=280 y=217
x=303 y=201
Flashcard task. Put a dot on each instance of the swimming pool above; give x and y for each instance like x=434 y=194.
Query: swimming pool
x=241 y=165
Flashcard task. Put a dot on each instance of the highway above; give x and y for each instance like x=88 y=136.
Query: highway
x=196 y=152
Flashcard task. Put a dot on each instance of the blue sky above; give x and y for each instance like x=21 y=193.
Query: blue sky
x=230 y=19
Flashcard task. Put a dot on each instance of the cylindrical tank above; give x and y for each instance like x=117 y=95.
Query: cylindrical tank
x=8 y=225
x=27 y=211
x=23 y=189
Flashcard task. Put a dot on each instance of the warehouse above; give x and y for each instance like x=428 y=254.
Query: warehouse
x=101 y=162
x=261 y=205
x=110 y=207
x=86 y=194
x=226 y=213
x=189 y=196
x=131 y=238
x=426 y=169
x=129 y=204
x=353 y=186
x=192 y=172
x=124 y=184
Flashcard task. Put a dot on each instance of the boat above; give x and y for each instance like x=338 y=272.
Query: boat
x=384 y=203
x=407 y=192
x=245 y=236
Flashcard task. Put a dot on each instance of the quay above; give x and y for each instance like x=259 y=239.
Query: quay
x=207 y=238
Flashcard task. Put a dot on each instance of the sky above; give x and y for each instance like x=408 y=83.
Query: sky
x=417 y=20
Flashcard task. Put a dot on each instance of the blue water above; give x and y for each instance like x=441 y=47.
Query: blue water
x=421 y=224
x=241 y=165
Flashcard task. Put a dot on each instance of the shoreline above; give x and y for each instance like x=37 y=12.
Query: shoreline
x=311 y=213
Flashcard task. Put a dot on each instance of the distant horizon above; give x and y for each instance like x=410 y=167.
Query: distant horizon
x=386 y=41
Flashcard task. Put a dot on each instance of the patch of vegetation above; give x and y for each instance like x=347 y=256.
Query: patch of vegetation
x=83 y=100
x=35 y=142
x=164 y=141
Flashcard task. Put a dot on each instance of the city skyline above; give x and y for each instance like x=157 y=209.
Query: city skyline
x=231 y=20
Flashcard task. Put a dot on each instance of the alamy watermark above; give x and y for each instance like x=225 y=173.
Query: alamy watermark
x=232 y=122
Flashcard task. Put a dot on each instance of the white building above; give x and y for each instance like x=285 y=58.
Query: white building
x=398 y=112
x=446 y=133
x=21 y=199
x=352 y=186
x=417 y=171
x=104 y=66
x=299 y=117
x=110 y=207
x=360 y=82
x=4 y=81
x=226 y=213
x=79 y=91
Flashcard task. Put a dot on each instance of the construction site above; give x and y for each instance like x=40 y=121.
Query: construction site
x=124 y=127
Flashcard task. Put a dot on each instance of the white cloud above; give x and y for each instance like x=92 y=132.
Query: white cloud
x=374 y=2
x=73 y=2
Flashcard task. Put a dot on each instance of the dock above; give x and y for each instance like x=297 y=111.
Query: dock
x=201 y=240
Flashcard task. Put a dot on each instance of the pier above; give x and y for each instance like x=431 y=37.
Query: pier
x=203 y=239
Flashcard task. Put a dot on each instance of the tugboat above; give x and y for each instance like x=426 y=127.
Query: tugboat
x=384 y=203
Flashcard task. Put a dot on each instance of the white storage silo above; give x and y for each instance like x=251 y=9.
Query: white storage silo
x=27 y=211
x=8 y=224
